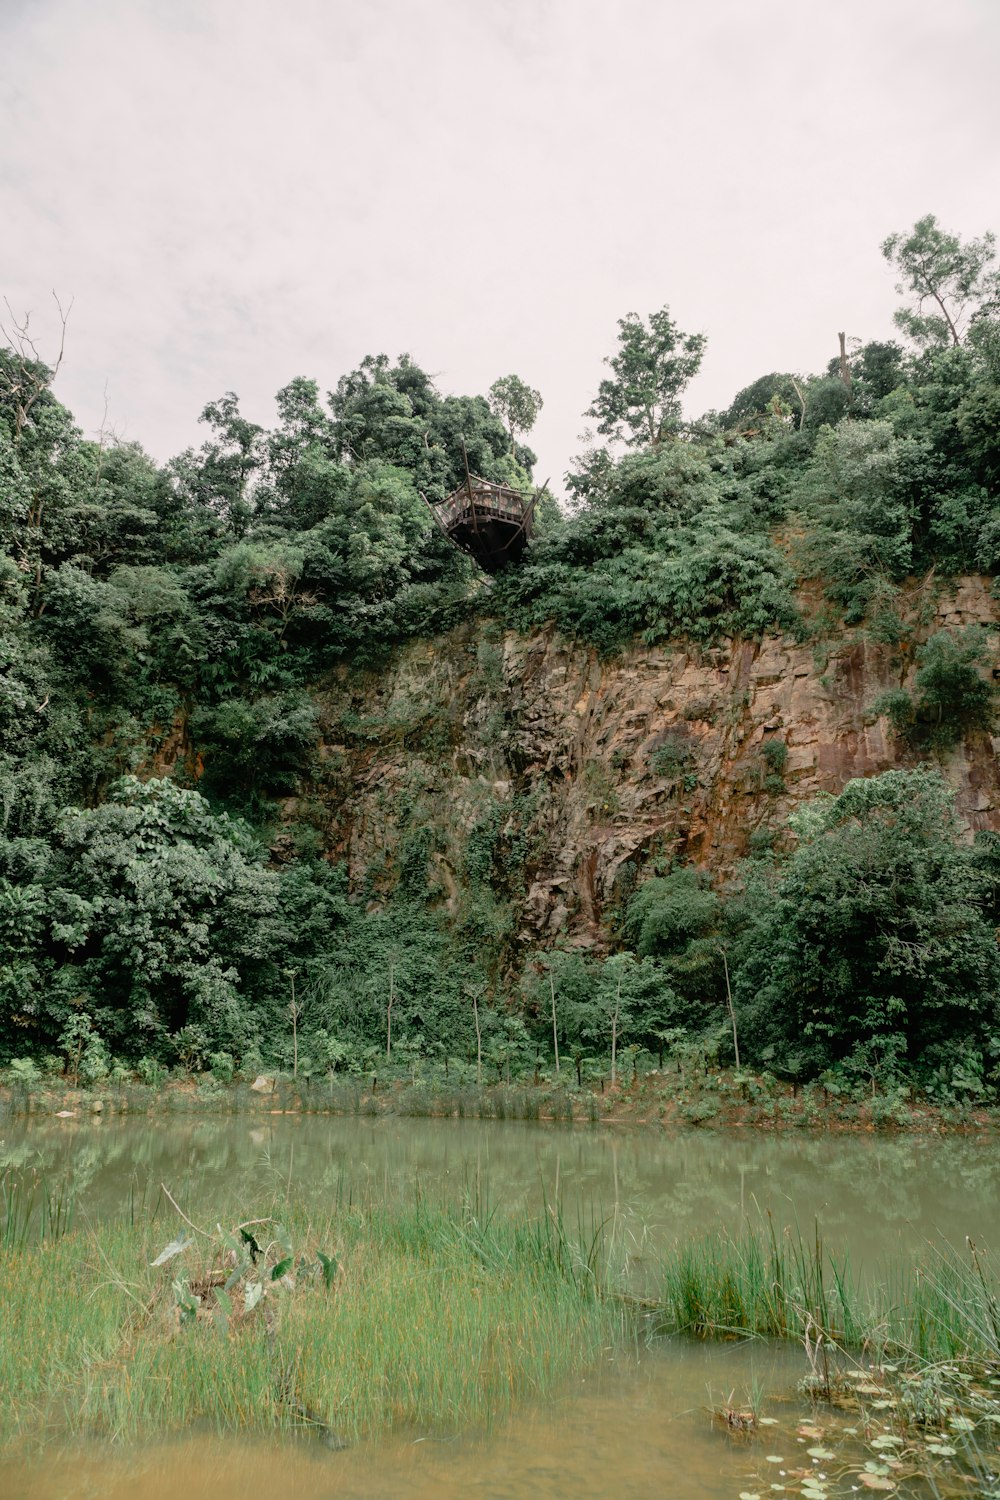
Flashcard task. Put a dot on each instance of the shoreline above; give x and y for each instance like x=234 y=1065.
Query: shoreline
x=717 y=1100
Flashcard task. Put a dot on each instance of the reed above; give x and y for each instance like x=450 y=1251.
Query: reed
x=437 y=1318
x=425 y=1316
x=779 y=1284
x=31 y=1208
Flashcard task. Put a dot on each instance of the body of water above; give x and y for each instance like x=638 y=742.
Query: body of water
x=639 y=1426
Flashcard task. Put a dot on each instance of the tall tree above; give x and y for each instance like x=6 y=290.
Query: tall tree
x=640 y=402
x=951 y=283
x=231 y=461
x=518 y=404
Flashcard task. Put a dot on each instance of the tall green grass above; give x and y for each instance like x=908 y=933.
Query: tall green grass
x=439 y=1317
x=31 y=1208
x=778 y=1284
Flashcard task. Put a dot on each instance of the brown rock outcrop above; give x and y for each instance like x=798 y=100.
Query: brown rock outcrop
x=594 y=767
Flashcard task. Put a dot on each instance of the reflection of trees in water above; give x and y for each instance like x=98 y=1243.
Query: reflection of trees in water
x=655 y=1185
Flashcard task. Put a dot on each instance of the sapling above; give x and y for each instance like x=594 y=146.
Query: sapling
x=555 y=1029
x=294 y=1011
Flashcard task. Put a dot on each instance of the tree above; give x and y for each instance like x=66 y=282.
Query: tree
x=24 y=378
x=230 y=463
x=614 y=999
x=675 y=919
x=150 y=913
x=875 y=370
x=654 y=362
x=877 y=930
x=952 y=693
x=769 y=397
x=518 y=404
x=952 y=283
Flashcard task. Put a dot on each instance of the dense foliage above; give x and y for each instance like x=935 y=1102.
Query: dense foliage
x=874 y=946
x=177 y=618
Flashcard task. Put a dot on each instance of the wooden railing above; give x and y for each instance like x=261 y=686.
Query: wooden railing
x=479 y=496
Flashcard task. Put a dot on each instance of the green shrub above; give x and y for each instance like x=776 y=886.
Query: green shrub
x=672 y=758
x=24 y=1072
x=874 y=944
x=222 y=1065
x=775 y=754
x=151 y=1072
x=950 y=694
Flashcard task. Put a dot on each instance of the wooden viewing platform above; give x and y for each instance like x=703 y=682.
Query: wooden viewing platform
x=490 y=521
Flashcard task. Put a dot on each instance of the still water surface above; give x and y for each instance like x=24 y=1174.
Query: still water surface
x=640 y=1429
x=871 y=1195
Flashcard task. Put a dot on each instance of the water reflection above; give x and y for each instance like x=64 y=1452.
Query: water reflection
x=642 y=1431
x=872 y=1195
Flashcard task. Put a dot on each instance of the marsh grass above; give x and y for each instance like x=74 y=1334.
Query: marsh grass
x=433 y=1317
x=31 y=1208
x=771 y=1283
x=438 y=1318
x=902 y=1367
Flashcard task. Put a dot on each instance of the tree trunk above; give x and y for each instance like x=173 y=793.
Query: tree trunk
x=802 y=401
x=388 y=1010
x=732 y=1013
x=295 y=1033
x=555 y=1033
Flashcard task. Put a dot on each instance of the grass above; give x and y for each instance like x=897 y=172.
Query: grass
x=437 y=1318
x=766 y=1284
x=31 y=1209
x=902 y=1383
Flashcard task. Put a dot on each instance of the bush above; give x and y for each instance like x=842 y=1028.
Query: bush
x=222 y=1065
x=950 y=695
x=672 y=758
x=24 y=1072
x=875 y=944
x=151 y=1072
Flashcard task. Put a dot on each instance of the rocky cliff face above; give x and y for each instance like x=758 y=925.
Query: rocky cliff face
x=582 y=771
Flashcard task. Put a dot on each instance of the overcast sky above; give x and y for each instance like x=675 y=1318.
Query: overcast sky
x=235 y=192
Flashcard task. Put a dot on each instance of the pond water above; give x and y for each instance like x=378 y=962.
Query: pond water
x=641 y=1427
x=871 y=1194
x=640 y=1431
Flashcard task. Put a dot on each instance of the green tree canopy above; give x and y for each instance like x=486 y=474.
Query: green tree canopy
x=877 y=930
x=640 y=402
x=518 y=404
x=950 y=282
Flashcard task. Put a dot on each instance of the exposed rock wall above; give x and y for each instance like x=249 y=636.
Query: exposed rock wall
x=593 y=767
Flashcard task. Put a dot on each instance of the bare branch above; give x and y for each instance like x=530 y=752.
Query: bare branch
x=30 y=377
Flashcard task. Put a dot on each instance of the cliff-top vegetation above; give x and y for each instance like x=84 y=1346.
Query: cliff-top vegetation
x=149 y=921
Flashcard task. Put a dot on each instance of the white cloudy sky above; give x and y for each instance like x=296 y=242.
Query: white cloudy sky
x=235 y=192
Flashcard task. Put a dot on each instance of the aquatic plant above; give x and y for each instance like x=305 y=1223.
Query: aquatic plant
x=438 y=1316
x=32 y=1210
x=767 y=1283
